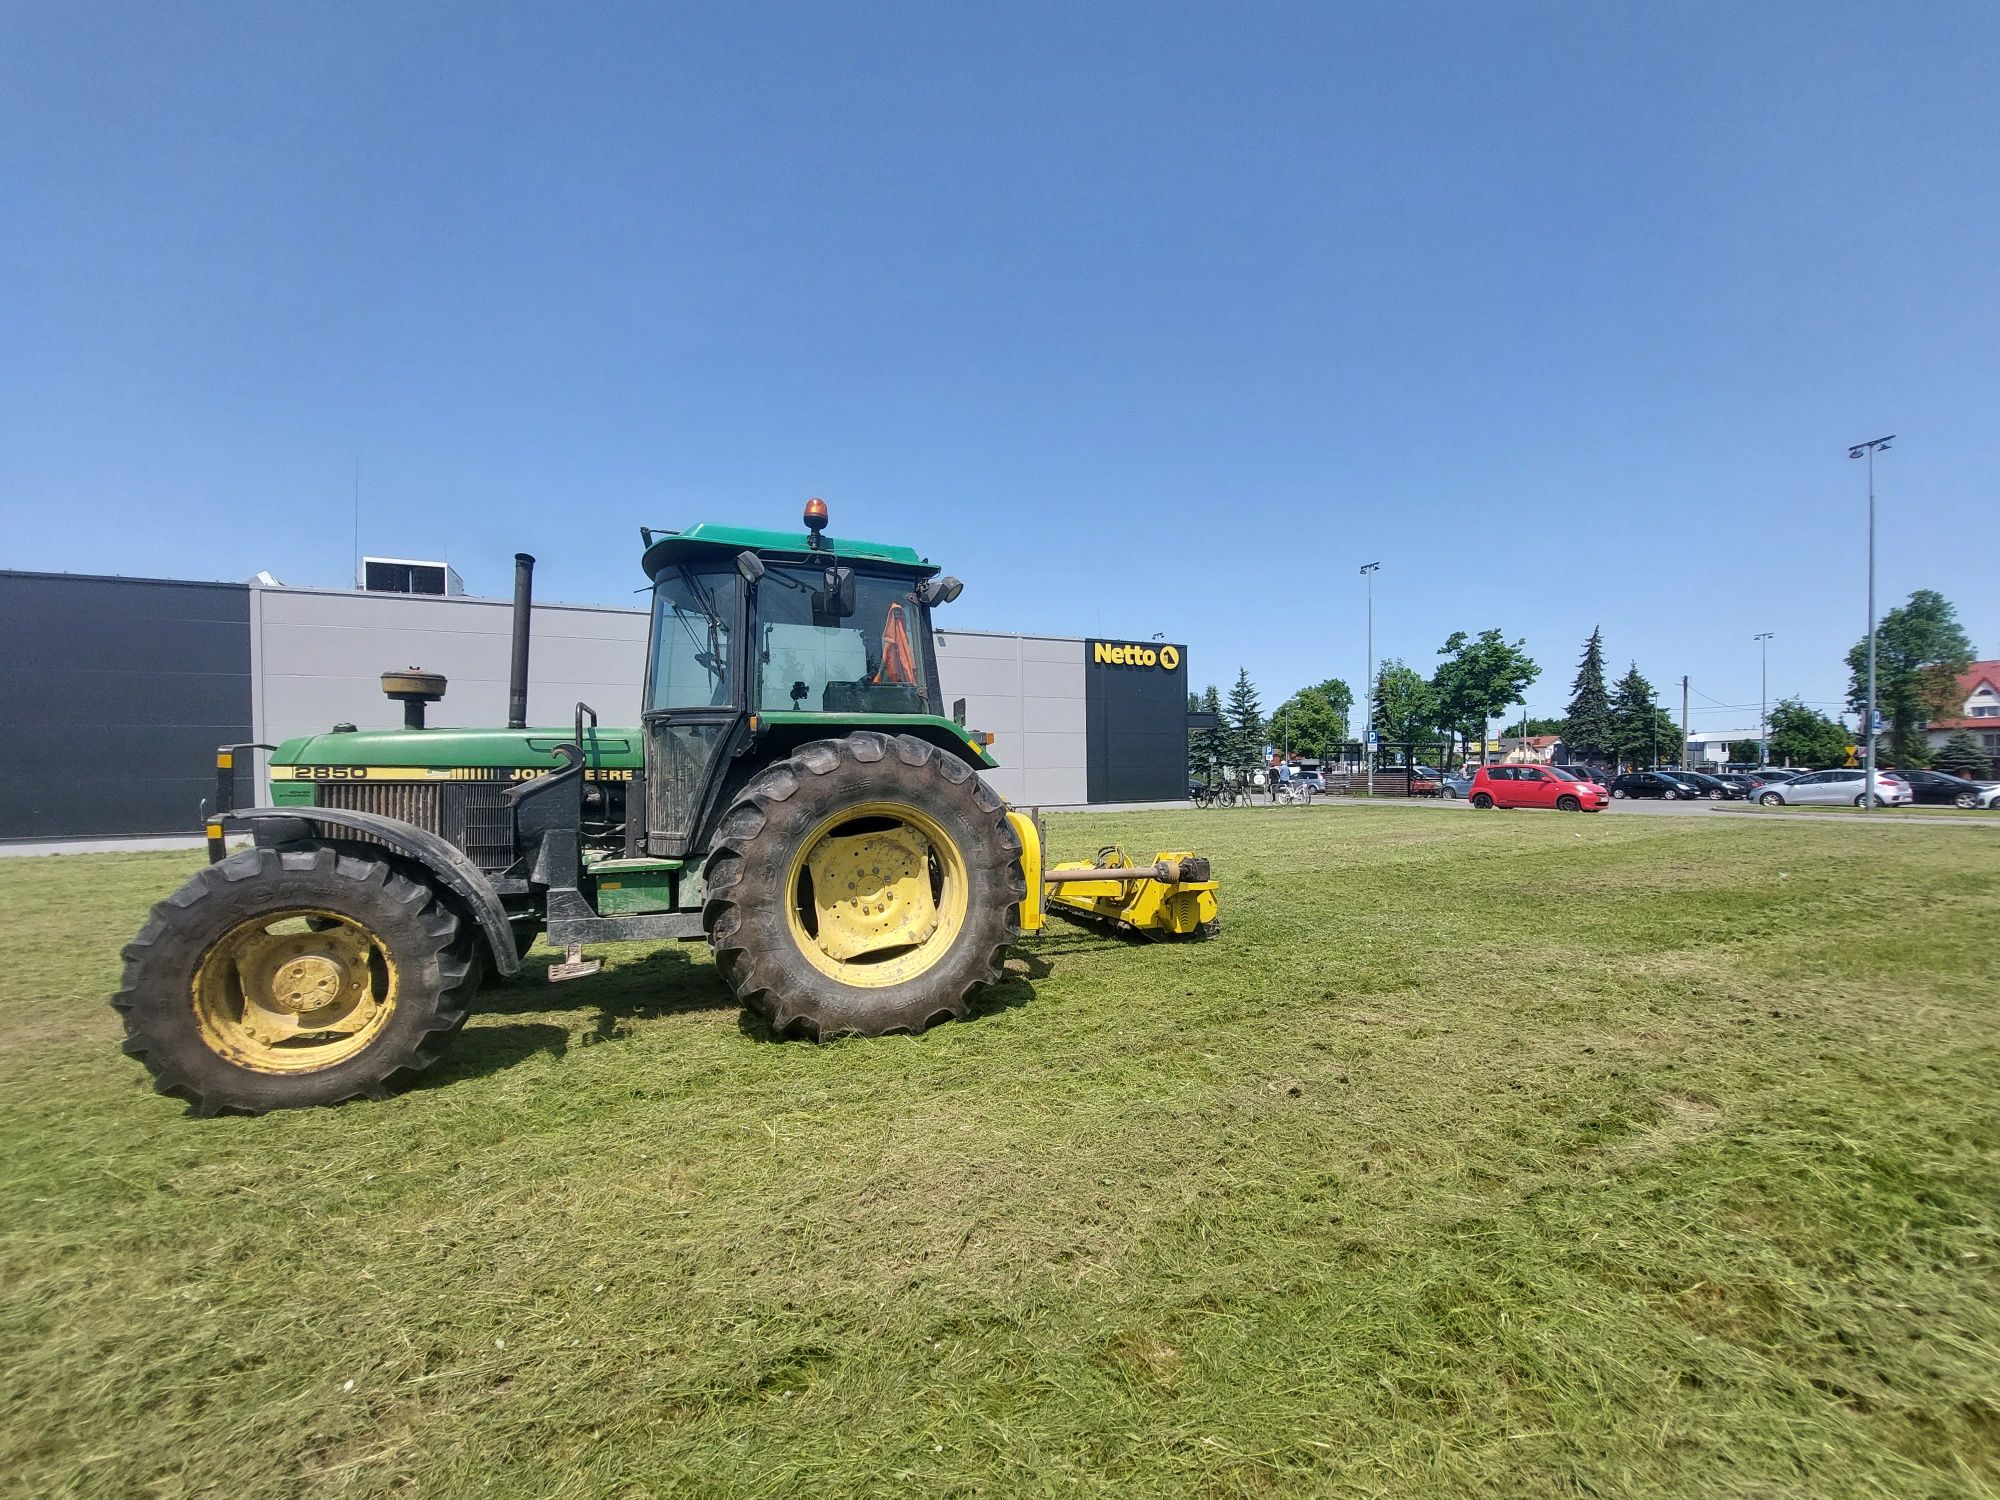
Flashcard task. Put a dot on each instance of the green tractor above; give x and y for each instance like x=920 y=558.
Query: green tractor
x=795 y=795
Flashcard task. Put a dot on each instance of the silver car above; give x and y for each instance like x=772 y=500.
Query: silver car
x=1834 y=788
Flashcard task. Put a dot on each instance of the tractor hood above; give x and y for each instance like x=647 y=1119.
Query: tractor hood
x=442 y=750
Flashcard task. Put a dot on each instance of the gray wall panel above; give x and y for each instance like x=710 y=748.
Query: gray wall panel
x=322 y=654
x=143 y=678
x=1040 y=744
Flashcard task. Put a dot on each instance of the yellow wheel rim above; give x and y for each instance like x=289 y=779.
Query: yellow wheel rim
x=876 y=894
x=294 y=991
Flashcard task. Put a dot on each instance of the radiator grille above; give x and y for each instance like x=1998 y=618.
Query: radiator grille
x=472 y=815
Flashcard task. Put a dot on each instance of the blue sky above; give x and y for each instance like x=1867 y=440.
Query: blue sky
x=1147 y=317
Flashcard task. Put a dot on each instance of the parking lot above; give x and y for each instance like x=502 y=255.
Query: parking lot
x=1653 y=808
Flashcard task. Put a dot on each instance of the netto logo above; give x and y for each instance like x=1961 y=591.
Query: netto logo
x=1166 y=658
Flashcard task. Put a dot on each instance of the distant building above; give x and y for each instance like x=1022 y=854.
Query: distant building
x=1710 y=747
x=1535 y=750
x=1979 y=703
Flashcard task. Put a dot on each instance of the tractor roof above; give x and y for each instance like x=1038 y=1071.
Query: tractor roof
x=705 y=539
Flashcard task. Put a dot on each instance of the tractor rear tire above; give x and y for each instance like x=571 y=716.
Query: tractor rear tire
x=219 y=988
x=852 y=805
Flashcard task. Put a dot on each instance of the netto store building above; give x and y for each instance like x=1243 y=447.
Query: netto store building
x=118 y=690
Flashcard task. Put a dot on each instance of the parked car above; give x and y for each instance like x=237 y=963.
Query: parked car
x=1312 y=779
x=1942 y=789
x=1715 y=788
x=1536 y=786
x=1458 y=783
x=1755 y=781
x=1589 y=773
x=1652 y=784
x=1834 y=788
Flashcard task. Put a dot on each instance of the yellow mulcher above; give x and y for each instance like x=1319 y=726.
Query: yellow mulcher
x=1172 y=897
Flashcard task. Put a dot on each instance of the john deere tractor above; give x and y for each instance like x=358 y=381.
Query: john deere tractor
x=795 y=794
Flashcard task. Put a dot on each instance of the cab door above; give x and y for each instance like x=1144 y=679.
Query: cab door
x=694 y=712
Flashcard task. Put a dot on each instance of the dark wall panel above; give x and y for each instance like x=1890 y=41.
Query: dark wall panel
x=117 y=691
x=1135 y=721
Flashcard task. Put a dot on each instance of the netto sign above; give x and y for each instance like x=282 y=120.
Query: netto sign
x=1112 y=654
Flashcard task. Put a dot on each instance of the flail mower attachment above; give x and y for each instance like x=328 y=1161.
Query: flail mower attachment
x=1173 y=897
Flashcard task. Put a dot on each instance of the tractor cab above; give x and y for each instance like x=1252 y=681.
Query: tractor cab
x=763 y=640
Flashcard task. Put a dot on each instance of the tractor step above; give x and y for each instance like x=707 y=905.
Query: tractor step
x=574 y=965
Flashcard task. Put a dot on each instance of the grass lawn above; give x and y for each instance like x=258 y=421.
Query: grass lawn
x=1927 y=810
x=1524 y=1154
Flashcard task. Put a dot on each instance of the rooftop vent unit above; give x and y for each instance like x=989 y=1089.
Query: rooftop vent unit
x=405 y=575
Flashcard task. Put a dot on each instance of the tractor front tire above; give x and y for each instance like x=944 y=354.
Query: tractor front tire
x=863 y=885
x=282 y=979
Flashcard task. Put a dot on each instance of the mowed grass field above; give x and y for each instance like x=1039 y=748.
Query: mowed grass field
x=1515 y=1155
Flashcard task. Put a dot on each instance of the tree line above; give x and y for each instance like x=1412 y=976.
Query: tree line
x=1478 y=678
x=1921 y=650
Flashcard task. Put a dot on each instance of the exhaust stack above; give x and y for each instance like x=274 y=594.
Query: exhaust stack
x=524 y=604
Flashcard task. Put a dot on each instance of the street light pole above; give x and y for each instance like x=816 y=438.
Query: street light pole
x=1868 y=450
x=1763 y=699
x=1368 y=571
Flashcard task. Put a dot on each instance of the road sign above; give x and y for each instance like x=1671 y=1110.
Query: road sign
x=1373 y=739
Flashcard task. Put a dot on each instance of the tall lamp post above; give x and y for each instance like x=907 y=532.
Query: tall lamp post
x=1868 y=450
x=1368 y=571
x=1763 y=699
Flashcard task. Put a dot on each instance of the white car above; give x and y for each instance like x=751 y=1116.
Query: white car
x=1835 y=788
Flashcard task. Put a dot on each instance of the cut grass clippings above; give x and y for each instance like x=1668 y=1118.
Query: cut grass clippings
x=1519 y=1155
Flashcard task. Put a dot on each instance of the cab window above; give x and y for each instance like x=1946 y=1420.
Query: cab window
x=694 y=615
x=812 y=659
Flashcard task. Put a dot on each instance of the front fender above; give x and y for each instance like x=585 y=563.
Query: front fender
x=447 y=864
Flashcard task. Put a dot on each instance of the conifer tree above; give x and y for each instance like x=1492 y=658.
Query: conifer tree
x=1589 y=730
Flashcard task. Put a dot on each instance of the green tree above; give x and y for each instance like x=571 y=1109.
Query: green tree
x=1642 y=732
x=1802 y=736
x=1962 y=756
x=1537 y=724
x=1589 y=729
x=1243 y=739
x=1745 y=752
x=1405 y=712
x=1314 y=718
x=1920 y=649
x=1480 y=678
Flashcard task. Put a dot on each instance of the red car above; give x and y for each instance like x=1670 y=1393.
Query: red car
x=1536 y=786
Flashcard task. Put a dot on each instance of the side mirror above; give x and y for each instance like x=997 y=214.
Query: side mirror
x=958 y=711
x=750 y=565
x=837 y=601
x=935 y=591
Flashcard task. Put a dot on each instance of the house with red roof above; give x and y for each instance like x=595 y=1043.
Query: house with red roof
x=1979 y=702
